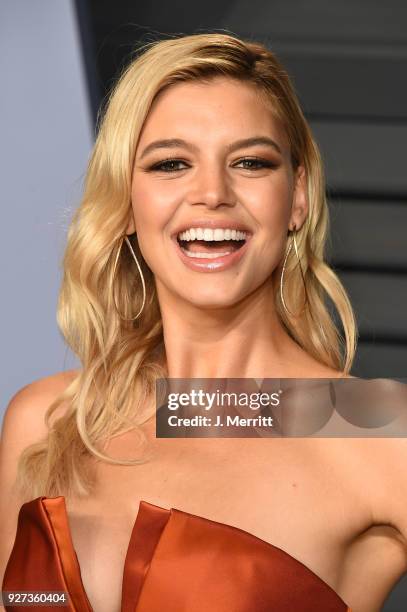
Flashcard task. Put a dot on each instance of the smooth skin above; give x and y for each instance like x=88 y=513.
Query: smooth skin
x=209 y=317
x=337 y=505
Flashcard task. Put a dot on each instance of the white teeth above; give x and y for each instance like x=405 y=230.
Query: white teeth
x=210 y=235
x=205 y=255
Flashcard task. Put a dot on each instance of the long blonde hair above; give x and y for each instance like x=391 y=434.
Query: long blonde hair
x=121 y=360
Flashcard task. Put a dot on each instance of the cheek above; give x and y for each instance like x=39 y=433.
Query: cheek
x=151 y=208
x=270 y=204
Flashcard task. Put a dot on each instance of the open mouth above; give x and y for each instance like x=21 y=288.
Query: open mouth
x=203 y=244
x=210 y=249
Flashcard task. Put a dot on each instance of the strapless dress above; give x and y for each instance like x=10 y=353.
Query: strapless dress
x=175 y=562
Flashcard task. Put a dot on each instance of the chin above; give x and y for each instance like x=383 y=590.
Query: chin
x=212 y=301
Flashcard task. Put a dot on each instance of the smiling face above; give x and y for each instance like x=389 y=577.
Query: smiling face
x=228 y=166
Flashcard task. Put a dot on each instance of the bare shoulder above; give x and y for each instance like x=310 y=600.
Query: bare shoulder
x=23 y=424
x=24 y=418
x=391 y=498
x=309 y=367
x=24 y=421
x=378 y=457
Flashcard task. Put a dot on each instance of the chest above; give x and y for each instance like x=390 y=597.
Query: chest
x=290 y=493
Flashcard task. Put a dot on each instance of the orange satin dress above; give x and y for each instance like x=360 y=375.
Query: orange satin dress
x=175 y=562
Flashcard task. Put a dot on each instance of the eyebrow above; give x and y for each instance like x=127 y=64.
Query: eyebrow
x=238 y=144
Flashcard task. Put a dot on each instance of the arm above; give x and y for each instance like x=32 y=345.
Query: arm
x=396 y=460
x=397 y=501
x=23 y=425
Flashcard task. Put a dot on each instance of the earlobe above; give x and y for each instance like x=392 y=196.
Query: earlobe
x=299 y=210
x=131 y=228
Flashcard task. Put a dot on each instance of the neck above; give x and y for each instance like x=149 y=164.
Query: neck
x=245 y=340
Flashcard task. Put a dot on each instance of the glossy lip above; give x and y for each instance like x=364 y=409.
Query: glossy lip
x=217 y=264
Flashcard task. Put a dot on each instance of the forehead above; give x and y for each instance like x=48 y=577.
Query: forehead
x=214 y=108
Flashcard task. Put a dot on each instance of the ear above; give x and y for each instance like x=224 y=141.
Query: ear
x=299 y=208
x=131 y=227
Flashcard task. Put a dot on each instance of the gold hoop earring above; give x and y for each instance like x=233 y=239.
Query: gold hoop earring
x=141 y=276
x=293 y=241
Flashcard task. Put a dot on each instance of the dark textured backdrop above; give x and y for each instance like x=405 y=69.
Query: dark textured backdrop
x=348 y=61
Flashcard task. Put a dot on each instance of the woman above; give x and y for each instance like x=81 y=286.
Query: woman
x=201 y=131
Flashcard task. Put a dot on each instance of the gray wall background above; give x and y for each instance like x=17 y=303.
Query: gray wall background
x=46 y=136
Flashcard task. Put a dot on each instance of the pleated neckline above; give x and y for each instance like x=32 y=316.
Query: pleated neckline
x=148 y=526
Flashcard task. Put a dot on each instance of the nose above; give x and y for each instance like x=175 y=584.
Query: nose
x=211 y=187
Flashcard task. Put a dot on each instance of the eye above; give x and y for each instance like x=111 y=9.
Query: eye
x=256 y=163
x=167 y=165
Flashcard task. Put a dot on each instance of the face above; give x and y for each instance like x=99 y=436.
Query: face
x=227 y=169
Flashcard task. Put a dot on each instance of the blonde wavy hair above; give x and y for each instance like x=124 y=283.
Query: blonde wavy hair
x=114 y=392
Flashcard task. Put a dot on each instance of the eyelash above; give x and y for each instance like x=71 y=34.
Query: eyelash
x=159 y=166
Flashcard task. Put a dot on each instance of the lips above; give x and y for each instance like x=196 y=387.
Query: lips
x=216 y=263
